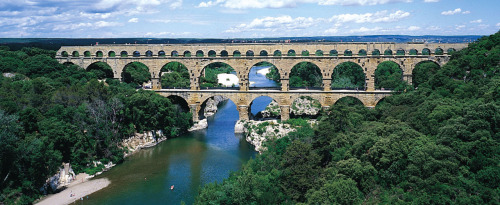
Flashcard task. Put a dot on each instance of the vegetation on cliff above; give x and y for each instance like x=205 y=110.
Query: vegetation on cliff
x=438 y=144
x=52 y=113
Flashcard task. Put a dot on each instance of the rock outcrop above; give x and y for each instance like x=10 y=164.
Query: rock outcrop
x=202 y=124
x=63 y=177
x=211 y=105
x=142 y=140
x=272 y=110
x=305 y=106
x=257 y=132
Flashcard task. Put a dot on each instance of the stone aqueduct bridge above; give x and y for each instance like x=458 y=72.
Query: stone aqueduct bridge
x=241 y=57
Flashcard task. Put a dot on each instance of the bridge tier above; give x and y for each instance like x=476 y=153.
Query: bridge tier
x=242 y=57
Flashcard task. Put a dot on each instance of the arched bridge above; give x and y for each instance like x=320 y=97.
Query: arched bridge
x=242 y=57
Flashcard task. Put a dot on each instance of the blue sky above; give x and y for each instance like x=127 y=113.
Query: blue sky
x=245 y=18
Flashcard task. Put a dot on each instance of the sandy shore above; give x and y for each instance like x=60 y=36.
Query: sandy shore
x=75 y=191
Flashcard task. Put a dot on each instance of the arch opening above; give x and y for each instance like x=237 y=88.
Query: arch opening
x=124 y=54
x=439 y=51
x=64 y=54
x=362 y=52
x=348 y=101
x=376 y=52
x=277 y=53
x=249 y=53
x=426 y=51
x=99 y=54
x=263 y=53
x=306 y=75
x=291 y=52
x=236 y=53
x=264 y=75
x=305 y=53
x=174 y=54
x=136 y=54
x=347 y=52
x=199 y=53
x=212 y=53
x=211 y=105
x=86 y=54
x=218 y=75
x=101 y=70
x=264 y=108
x=162 y=53
x=319 y=53
x=381 y=103
x=388 y=52
x=149 y=53
x=187 y=54
x=111 y=54
x=174 y=75
x=451 y=51
x=180 y=103
x=334 y=53
x=305 y=107
x=224 y=53
x=348 y=75
x=422 y=72
x=388 y=75
x=400 y=52
x=136 y=73
x=413 y=52
x=75 y=54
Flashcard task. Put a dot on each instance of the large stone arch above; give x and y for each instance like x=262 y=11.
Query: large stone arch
x=357 y=66
x=149 y=69
x=393 y=61
x=108 y=74
x=421 y=75
x=273 y=98
x=161 y=71
x=177 y=99
x=203 y=101
x=204 y=66
x=309 y=61
x=358 y=98
x=254 y=63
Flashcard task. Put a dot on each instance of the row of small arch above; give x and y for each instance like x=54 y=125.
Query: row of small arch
x=212 y=53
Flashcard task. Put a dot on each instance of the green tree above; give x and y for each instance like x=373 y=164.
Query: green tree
x=136 y=73
x=388 y=75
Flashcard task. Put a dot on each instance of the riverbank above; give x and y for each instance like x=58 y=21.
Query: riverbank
x=75 y=191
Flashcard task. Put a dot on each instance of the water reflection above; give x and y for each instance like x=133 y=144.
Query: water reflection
x=186 y=162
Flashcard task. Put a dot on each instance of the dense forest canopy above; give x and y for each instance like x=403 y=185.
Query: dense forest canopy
x=438 y=144
x=52 y=113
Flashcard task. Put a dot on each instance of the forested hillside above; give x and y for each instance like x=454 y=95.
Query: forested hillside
x=438 y=144
x=52 y=113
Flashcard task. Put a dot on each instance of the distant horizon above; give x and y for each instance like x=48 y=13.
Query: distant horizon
x=223 y=19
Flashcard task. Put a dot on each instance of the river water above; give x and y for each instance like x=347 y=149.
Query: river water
x=187 y=162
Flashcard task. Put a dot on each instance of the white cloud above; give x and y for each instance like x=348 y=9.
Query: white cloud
x=431 y=1
x=365 y=30
x=459 y=27
x=159 y=21
x=257 y=4
x=413 y=28
x=133 y=20
x=498 y=25
x=281 y=23
x=380 y=16
x=477 y=21
x=456 y=11
x=359 y=2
